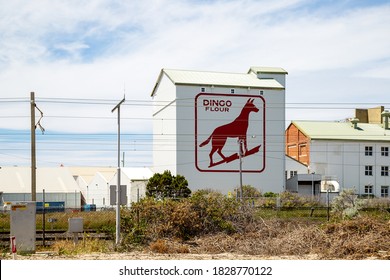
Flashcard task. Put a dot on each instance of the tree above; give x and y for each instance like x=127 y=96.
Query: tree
x=166 y=185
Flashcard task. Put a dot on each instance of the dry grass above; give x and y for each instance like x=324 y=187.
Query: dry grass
x=169 y=247
x=211 y=224
x=83 y=246
x=356 y=239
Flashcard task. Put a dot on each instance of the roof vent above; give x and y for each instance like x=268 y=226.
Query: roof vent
x=354 y=122
x=385 y=115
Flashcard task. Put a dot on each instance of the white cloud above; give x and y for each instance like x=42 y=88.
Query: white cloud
x=98 y=49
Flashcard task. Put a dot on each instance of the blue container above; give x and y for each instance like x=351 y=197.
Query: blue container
x=51 y=206
x=89 y=207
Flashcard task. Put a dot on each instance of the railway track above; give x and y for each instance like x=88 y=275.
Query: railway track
x=50 y=236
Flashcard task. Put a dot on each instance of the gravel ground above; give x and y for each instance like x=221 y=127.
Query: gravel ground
x=153 y=256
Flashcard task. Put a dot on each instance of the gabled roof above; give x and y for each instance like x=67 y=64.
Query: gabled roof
x=343 y=131
x=88 y=173
x=204 y=78
x=137 y=173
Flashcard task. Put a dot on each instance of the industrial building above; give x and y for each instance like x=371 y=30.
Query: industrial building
x=212 y=126
x=72 y=187
x=353 y=153
x=58 y=183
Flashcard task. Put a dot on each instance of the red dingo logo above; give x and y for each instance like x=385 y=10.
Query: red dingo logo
x=236 y=129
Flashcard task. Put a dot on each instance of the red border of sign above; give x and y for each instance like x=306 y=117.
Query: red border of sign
x=196 y=133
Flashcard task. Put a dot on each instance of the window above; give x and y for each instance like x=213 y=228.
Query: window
x=384 y=151
x=368 y=170
x=384 y=191
x=302 y=150
x=261 y=92
x=368 y=189
x=202 y=89
x=293 y=173
x=368 y=150
x=232 y=90
x=384 y=171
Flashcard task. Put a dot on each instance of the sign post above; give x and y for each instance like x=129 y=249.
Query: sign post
x=13 y=247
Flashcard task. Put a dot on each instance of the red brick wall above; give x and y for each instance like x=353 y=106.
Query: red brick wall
x=297 y=144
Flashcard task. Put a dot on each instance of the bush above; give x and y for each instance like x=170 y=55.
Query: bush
x=347 y=204
x=166 y=185
x=292 y=200
x=204 y=212
x=215 y=211
x=270 y=194
x=248 y=191
x=150 y=220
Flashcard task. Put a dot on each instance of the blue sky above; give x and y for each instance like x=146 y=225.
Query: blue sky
x=337 y=54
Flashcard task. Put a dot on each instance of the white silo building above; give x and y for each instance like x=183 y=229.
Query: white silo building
x=206 y=123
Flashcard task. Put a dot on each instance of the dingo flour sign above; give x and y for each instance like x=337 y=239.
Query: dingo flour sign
x=225 y=126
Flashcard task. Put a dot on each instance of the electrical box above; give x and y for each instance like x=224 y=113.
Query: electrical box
x=122 y=195
x=23 y=225
x=75 y=225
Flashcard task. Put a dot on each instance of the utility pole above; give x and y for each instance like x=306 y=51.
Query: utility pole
x=33 y=150
x=118 y=187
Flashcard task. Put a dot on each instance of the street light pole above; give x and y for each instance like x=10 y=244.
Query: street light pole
x=117 y=219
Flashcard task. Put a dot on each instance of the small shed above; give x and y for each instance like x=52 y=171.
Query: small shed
x=305 y=184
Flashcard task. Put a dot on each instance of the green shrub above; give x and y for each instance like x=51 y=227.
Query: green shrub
x=270 y=194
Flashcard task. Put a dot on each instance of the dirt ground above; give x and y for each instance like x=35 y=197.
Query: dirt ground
x=153 y=256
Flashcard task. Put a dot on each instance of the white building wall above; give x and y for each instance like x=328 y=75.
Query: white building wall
x=270 y=179
x=164 y=127
x=135 y=180
x=137 y=190
x=98 y=191
x=294 y=167
x=347 y=161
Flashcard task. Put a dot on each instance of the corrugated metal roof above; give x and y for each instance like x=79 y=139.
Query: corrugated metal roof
x=202 y=78
x=343 y=131
x=18 y=180
x=270 y=70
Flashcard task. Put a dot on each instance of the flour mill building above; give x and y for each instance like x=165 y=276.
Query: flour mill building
x=205 y=122
x=355 y=153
